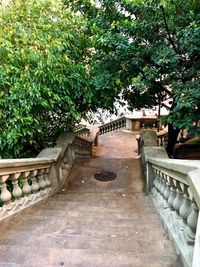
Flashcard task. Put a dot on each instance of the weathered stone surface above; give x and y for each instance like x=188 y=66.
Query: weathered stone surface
x=51 y=152
x=90 y=223
x=119 y=144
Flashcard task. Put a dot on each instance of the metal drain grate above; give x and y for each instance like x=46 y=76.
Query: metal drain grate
x=105 y=176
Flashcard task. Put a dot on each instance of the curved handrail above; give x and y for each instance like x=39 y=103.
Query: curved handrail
x=175 y=185
x=24 y=182
x=113 y=125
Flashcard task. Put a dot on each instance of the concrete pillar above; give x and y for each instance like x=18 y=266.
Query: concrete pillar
x=136 y=125
x=129 y=124
x=149 y=176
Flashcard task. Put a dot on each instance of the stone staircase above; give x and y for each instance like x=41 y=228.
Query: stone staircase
x=91 y=223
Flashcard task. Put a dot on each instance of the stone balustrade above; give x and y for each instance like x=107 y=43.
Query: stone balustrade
x=82 y=132
x=24 y=182
x=132 y=124
x=175 y=187
x=113 y=126
x=82 y=147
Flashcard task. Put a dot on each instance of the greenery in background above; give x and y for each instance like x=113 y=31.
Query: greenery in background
x=59 y=59
x=151 y=51
x=44 y=85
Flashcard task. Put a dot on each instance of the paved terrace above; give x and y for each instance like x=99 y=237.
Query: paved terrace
x=91 y=223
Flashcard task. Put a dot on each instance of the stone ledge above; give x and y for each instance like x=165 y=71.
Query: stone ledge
x=4 y=163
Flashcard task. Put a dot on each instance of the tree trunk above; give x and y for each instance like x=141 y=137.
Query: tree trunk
x=172 y=139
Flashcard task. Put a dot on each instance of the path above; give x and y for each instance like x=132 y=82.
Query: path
x=120 y=144
x=91 y=223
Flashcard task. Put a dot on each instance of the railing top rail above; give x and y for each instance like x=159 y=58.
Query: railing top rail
x=114 y=121
x=78 y=138
x=85 y=129
x=5 y=163
x=11 y=166
x=177 y=165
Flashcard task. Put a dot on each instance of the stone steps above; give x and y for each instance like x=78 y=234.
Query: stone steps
x=81 y=257
x=90 y=224
x=84 y=234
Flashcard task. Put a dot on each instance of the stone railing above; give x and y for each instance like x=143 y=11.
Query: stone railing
x=82 y=147
x=24 y=182
x=175 y=187
x=131 y=124
x=122 y=123
x=82 y=132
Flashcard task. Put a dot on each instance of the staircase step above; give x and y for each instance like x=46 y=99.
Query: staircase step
x=90 y=227
x=91 y=240
x=116 y=200
x=90 y=223
x=81 y=257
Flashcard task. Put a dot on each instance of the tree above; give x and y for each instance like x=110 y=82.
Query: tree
x=151 y=51
x=44 y=79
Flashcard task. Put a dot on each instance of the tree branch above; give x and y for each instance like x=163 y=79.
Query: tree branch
x=166 y=106
x=168 y=31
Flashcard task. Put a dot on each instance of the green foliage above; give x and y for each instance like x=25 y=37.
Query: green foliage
x=59 y=59
x=44 y=79
x=150 y=50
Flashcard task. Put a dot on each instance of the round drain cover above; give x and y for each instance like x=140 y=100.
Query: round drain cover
x=105 y=176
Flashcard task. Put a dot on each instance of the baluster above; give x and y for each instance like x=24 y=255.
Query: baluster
x=46 y=175
x=178 y=202
x=167 y=190
x=41 y=181
x=169 y=214
x=159 y=189
x=26 y=187
x=159 y=183
x=17 y=191
x=190 y=230
x=157 y=193
x=5 y=195
x=185 y=211
x=163 y=204
x=155 y=182
x=163 y=184
x=166 y=194
x=163 y=192
x=186 y=208
x=154 y=189
x=35 y=186
x=173 y=193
